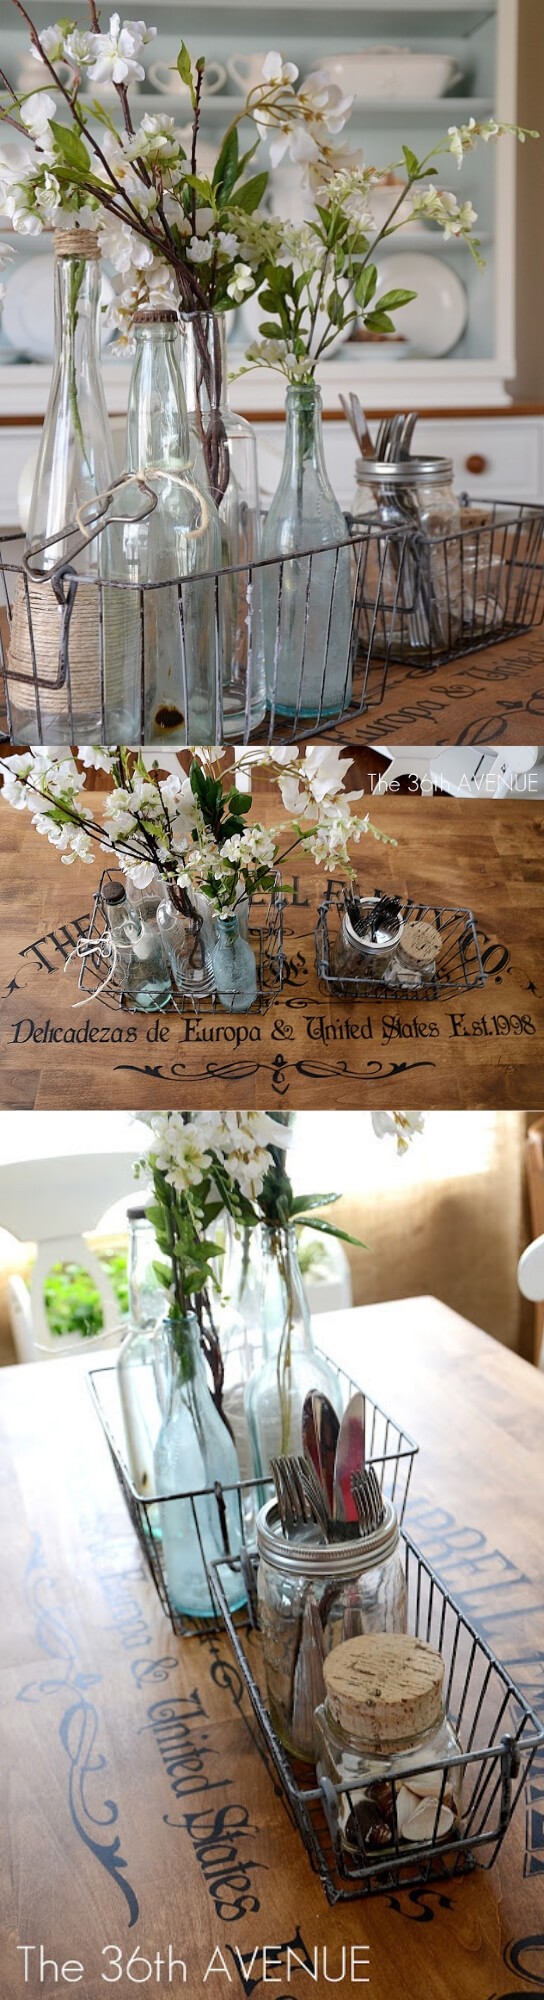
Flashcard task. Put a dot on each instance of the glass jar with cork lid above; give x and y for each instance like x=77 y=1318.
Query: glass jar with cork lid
x=312 y=1597
x=388 y=1758
x=415 y=960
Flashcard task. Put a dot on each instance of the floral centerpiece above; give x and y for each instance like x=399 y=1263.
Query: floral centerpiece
x=193 y=831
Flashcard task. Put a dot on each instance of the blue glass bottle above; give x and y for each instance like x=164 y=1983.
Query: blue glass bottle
x=234 y=967
x=194 y=1452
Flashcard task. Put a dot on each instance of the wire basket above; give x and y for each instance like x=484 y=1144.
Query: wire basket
x=335 y=619
x=391 y=1451
x=265 y=935
x=459 y=968
x=499 y=1734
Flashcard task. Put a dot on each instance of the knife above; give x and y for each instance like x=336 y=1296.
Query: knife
x=350 y=1458
x=326 y=1431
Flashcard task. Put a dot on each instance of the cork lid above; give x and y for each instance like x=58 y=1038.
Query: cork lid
x=422 y=943
x=76 y=243
x=384 y=1689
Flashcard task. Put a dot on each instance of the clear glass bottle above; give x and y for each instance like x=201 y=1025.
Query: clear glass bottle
x=290 y=1367
x=194 y=1452
x=141 y=966
x=233 y=965
x=399 y=1789
x=188 y=943
x=141 y=1361
x=411 y=596
x=169 y=696
x=308 y=621
x=75 y=464
x=312 y=1596
x=226 y=450
x=238 y=1316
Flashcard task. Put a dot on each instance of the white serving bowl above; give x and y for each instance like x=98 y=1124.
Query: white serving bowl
x=390 y=72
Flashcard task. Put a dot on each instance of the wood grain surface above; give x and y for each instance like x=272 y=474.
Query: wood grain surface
x=141 y=1812
x=480 y=1048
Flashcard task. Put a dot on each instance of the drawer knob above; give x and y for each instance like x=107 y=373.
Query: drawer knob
x=477 y=464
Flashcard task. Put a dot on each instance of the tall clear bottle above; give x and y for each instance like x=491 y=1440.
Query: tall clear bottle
x=75 y=464
x=227 y=458
x=163 y=688
x=290 y=1367
x=308 y=605
x=142 y=1361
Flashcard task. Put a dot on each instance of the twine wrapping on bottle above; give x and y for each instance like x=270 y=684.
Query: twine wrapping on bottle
x=90 y=947
x=57 y=618
x=76 y=243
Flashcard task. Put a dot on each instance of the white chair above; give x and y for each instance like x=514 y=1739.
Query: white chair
x=52 y=1202
x=493 y=773
x=531 y=1280
x=405 y=761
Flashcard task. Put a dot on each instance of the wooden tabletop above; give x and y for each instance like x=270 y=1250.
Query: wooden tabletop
x=479 y=1048
x=496 y=696
x=141 y=1812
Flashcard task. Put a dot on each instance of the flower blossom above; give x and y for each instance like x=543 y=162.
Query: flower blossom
x=114 y=56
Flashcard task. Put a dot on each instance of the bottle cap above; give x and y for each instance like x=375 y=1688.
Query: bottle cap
x=113 y=892
x=76 y=243
x=156 y=316
x=384 y=1689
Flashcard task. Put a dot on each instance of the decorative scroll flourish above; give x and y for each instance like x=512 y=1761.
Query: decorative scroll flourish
x=78 y=1726
x=280 y=1070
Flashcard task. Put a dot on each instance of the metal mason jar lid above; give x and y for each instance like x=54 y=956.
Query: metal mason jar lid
x=306 y=1556
x=385 y=936
x=404 y=472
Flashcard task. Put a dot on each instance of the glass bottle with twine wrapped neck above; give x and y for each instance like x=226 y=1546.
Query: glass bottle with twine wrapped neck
x=61 y=642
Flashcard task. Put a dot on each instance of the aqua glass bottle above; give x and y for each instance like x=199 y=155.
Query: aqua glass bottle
x=75 y=465
x=291 y=1366
x=164 y=686
x=233 y=965
x=194 y=1453
x=308 y=618
x=226 y=449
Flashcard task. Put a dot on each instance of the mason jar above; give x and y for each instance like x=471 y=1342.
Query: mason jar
x=411 y=599
x=384 y=1742
x=312 y=1596
x=355 y=958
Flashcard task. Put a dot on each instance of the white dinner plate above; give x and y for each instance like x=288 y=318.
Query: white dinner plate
x=28 y=310
x=435 y=321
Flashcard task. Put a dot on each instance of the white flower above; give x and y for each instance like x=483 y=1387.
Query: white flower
x=94 y=759
x=35 y=114
x=78 y=47
x=142 y=875
x=227 y=242
x=242 y=281
x=52 y=41
x=439 y=205
x=275 y=70
x=199 y=252
x=114 y=55
x=400 y=1125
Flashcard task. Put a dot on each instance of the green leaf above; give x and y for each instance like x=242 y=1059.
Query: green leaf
x=250 y=194
x=328 y=1229
x=197 y=782
x=239 y=802
x=201 y=187
x=306 y=1201
x=71 y=147
x=365 y=285
x=335 y=307
x=227 y=167
x=379 y=322
x=411 y=162
x=185 y=70
x=391 y=301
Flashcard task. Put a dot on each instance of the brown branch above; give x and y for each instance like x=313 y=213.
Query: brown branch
x=194 y=141
x=76 y=115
